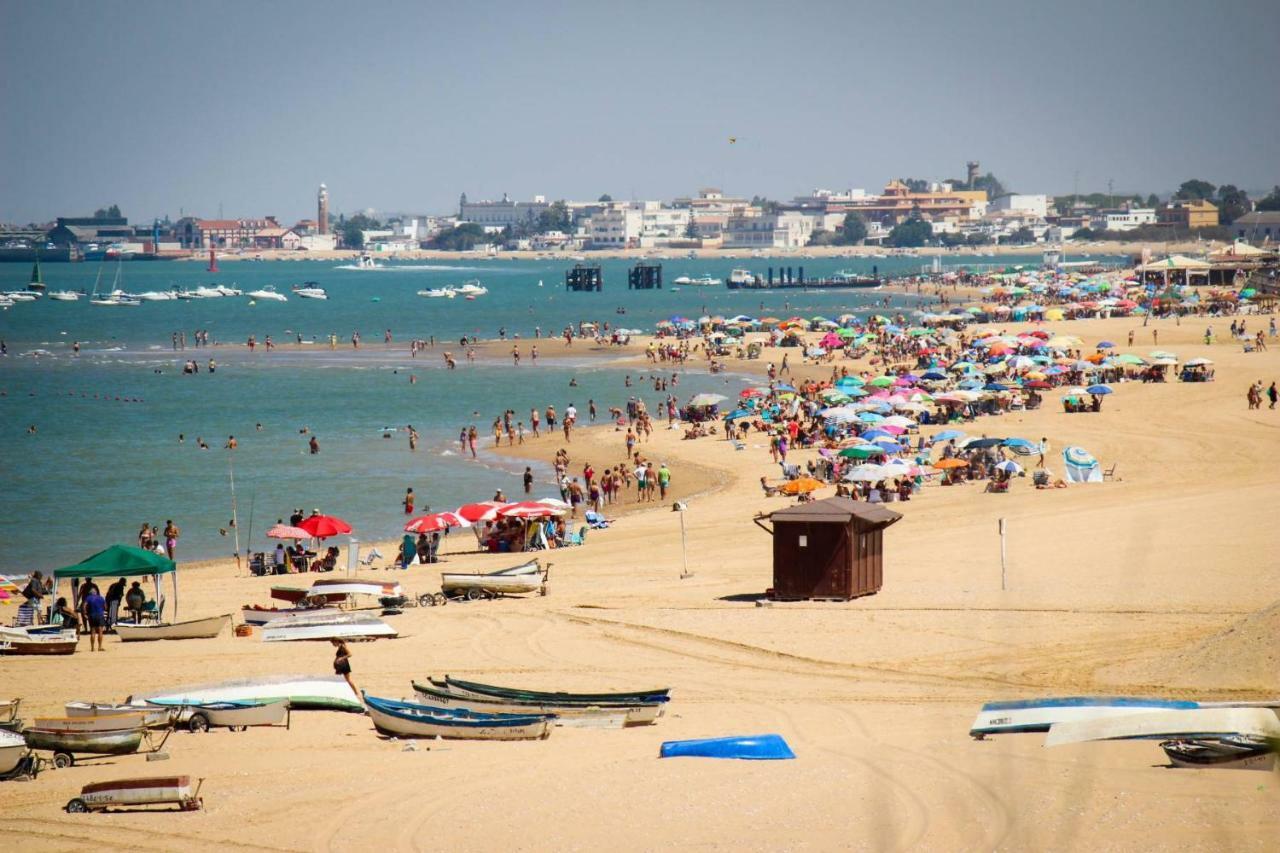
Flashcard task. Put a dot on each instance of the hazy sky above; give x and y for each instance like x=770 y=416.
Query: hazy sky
x=404 y=105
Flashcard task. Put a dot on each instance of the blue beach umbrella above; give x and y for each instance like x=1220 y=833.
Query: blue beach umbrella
x=948 y=435
x=876 y=434
x=1098 y=389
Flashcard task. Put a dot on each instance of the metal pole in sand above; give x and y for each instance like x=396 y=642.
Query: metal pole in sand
x=1002 y=555
x=235 y=524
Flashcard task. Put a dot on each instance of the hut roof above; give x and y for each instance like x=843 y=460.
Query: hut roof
x=837 y=510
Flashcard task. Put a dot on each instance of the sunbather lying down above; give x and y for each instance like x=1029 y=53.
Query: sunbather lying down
x=596 y=521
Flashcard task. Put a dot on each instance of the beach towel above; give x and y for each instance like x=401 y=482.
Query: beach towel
x=596 y=520
x=1081 y=466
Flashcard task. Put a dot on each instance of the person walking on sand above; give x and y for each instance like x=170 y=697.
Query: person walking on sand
x=1272 y=394
x=342 y=662
x=95 y=611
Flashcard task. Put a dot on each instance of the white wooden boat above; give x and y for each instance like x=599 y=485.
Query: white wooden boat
x=109 y=742
x=12 y=749
x=1037 y=715
x=577 y=716
x=9 y=710
x=526 y=577
x=196 y=629
x=263 y=615
x=136 y=720
x=238 y=715
x=327 y=626
x=319 y=692
x=1196 y=723
x=406 y=719
x=21 y=641
x=153 y=791
x=152 y=717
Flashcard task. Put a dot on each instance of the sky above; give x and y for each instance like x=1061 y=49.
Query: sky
x=246 y=107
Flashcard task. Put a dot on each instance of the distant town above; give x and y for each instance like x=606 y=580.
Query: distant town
x=907 y=213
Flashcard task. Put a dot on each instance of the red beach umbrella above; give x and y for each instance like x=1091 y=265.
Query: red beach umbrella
x=482 y=511
x=529 y=509
x=435 y=521
x=324 y=526
x=285 y=531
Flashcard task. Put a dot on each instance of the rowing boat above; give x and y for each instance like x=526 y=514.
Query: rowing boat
x=406 y=719
x=151 y=717
x=196 y=629
x=114 y=722
x=327 y=626
x=13 y=747
x=153 y=791
x=110 y=742
x=241 y=714
x=255 y=615
x=1226 y=753
x=1194 y=724
x=458 y=582
x=317 y=692
x=335 y=590
x=19 y=641
x=1037 y=715
x=457 y=685
x=578 y=716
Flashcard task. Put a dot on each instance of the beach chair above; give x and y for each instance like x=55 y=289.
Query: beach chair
x=258 y=564
x=1110 y=473
x=368 y=559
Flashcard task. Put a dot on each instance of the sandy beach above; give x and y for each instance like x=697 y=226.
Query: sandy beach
x=1160 y=582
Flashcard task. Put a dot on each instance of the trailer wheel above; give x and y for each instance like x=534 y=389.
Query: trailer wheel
x=77 y=806
x=474 y=594
x=441 y=599
x=63 y=759
x=198 y=723
x=426 y=600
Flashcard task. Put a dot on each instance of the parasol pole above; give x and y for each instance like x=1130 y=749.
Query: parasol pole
x=235 y=527
x=248 y=534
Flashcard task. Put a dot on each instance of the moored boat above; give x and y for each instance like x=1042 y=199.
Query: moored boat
x=255 y=615
x=586 y=716
x=109 y=742
x=151 y=717
x=195 y=629
x=472 y=288
x=268 y=293
x=1227 y=753
x=63 y=295
x=309 y=290
x=406 y=719
x=1037 y=715
x=152 y=791
x=1192 y=724
x=438 y=293
x=458 y=685
x=19 y=641
x=317 y=692
x=115 y=722
x=327 y=626
x=239 y=714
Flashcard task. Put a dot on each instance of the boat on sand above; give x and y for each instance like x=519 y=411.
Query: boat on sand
x=581 y=716
x=317 y=692
x=406 y=719
x=195 y=629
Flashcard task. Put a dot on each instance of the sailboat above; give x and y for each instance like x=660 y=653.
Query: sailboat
x=117 y=297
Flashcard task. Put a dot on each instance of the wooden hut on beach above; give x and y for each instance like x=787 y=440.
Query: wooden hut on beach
x=827 y=550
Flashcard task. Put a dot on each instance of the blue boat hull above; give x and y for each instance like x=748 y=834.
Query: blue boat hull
x=753 y=747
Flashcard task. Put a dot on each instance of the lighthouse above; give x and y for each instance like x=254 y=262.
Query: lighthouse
x=322 y=209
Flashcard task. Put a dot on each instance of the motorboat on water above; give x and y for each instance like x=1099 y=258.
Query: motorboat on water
x=115 y=301
x=309 y=290
x=215 y=291
x=439 y=293
x=743 y=278
x=157 y=296
x=6 y=302
x=268 y=292
x=705 y=281
x=21 y=296
x=473 y=288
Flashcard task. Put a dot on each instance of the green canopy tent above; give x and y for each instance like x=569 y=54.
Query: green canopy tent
x=124 y=561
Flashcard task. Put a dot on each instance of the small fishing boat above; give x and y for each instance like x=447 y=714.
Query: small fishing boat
x=9 y=714
x=327 y=626
x=107 y=711
x=13 y=748
x=457 y=685
x=406 y=719
x=196 y=629
x=524 y=578
x=269 y=293
x=1226 y=753
x=65 y=744
x=1037 y=715
x=20 y=641
x=1193 y=724
x=317 y=692
x=584 y=716
x=334 y=590
x=255 y=615
x=113 y=722
x=63 y=295
x=309 y=290
x=240 y=714
x=684 y=279
x=439 y=293
x=153 y=791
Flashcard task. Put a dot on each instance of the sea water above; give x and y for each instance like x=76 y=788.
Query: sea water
x=105 y=456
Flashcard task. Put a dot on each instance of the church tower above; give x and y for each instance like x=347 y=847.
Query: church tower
x=322 y=210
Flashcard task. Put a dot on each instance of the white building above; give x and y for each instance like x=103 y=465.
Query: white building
x=1033 y=205
x=615 y=227
x=643 y=224
x=1123 y=219
x=783 y=230
x=496 y=215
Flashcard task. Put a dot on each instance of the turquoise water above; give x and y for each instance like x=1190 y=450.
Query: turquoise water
x=106 y=457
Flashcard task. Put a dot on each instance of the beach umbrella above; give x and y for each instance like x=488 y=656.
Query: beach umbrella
x=529 y=509
x=707 y=399
x=1106 y=345
x=1037 y=384
x=435 y=521
x=899 y=420
x=1129 y=358
x=285 y=531
x=801 y=485
x=1019 y=442
x=873 y=434
x=478 y=512
x=883 y=381
x=933 y=374
x=984 y=442
x=948 y=435
x=862 y=451
x=1197 y=362
x=1008 y=466
x=1098 y=389
x=324 y=526
x=1078 y=456
x=867 y=474
x=946 y=464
